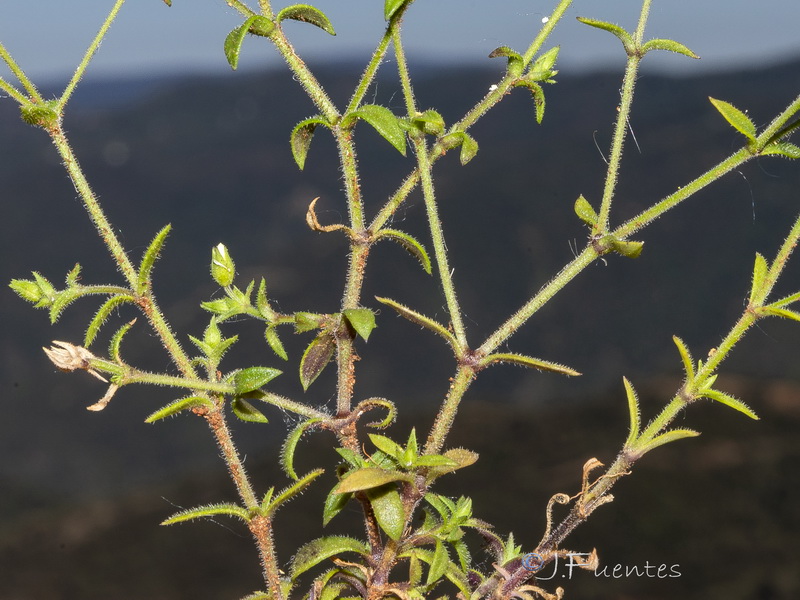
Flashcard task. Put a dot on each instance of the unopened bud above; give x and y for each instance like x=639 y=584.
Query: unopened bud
x=222 y=267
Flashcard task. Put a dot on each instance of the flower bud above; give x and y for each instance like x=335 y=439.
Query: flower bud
x=222 y=267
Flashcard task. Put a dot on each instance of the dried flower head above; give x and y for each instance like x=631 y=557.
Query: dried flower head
x=69 y=357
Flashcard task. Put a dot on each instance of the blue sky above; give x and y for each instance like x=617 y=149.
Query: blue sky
x=47 y=37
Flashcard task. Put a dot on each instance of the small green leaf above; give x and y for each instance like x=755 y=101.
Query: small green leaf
x=250 y=379
x=30 y=291
x=538 y=97
x=116 y=340
x=63 y=299
x=422 y=320
x=316 y=357
x=74 y=275
x=781 y=312
x=211 y=510
x=102 y=314
x=759 y=275
x=410 y=244
x=262 y=304
x=314 y=552
x=459 y=457
x=271 y=335
x=222 y=268
x=179 y=405
x=438 y=564
x=740 y=121
x=44 y=114
x=387 y=505
x=247 y=412
x=292 y=491
x=305 y=321
x=390 y=7
x=387 y=445
x=542 y=68
x=670 y=45
x=626 y=248
x=624 y=36
x=334 y=504
x=149 y=258
x=362 y=320
x=515 y=63
x=671 y=435
x=367 y=478
x=469 y=148
x=686 y=357
x=301 y=137
x=429 y=122
x=370 y=403
x=168 y=2
x=585 y=212
x=527 y=361
x=786 y=149
x=633 y=412
x=257 y=25
x=729 y=400
x=290 y=445
x=435 y=460
x=384 y=122
x=306 y=14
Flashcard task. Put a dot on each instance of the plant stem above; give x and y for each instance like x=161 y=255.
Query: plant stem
x=447 y=413
x=369 y=73
x=23 y=79
x=623 y=119
x=89 y=54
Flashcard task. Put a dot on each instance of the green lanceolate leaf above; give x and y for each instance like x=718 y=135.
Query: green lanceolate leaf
x=370 y=403
x=362 y=320
x=633 y=412
x=740 y=121
x=252 y=378
x=785 y=313
x=271 y=505
x=316 y=357
x=334 y=504
x=367 y=478
x=102 y=314
x=786 y=149
x=624 y=36
x=74 y=275
x=178 y=406
x=388 y=509
x=290 y=445
x=390 y=7
x=439 y=563
x=686 y=358
x=527 y=361
x=671 y=435
x=469 y=147
x=271 y=335
x=387 y=445
x=410 y=243
x=301 y=137
x=585 y=211
x=116 y=340
x=149 y=258
x=538 y=96
x=729 y=400
x=384 y=122
x=422 y=320
x=210 y=510
x=63 y=299
x=669 y=45
x=30 y=291
x=306 y=14
x=314 y=552
x=760 y=269
x=247 y=412
x=257 y=25
x=305 y=321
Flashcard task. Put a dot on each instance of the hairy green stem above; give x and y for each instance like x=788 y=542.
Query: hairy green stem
x=369 y=73
x=447 y=413
x=22 y=77
x=89 y=54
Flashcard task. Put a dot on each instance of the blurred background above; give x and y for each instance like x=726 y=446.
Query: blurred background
x=168 y=134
